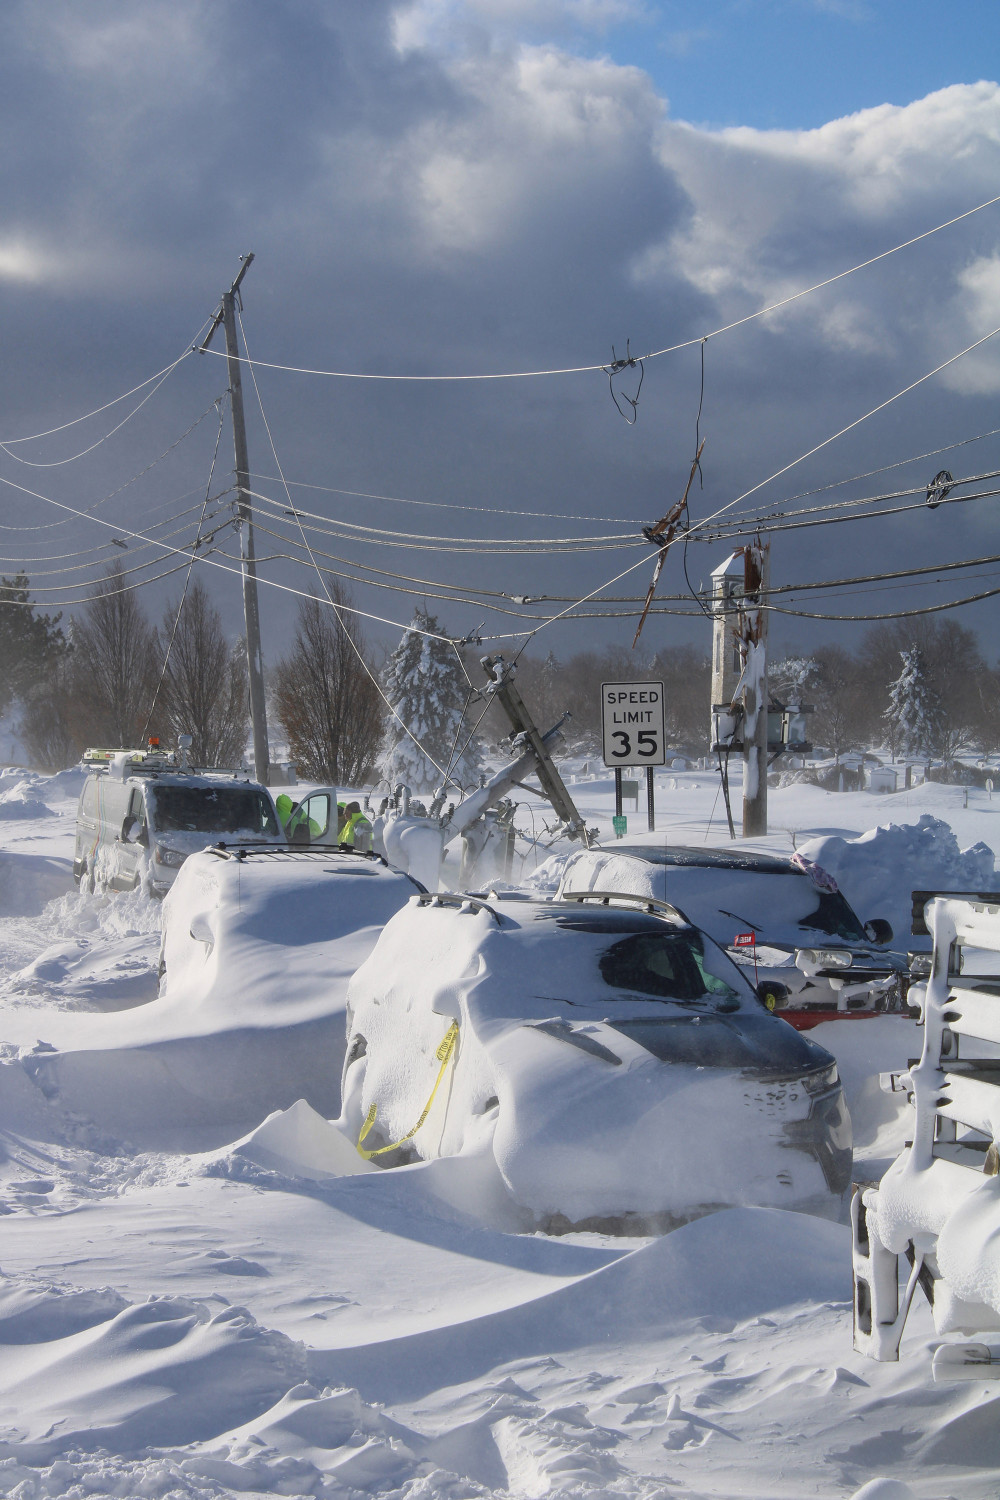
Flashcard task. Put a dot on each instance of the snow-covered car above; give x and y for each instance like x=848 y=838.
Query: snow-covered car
x=602 y=1062
x=137 y=823
x=782 y=920
x=258 y=945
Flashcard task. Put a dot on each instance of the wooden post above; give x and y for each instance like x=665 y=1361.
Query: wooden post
x=753 y=631
x=251 y=607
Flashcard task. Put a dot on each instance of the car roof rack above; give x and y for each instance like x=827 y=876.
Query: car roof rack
x=459 y=901
x=240 y=850
x=648 y=904
x=99 y=759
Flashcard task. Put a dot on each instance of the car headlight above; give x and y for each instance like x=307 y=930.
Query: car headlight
x=820 y=1082
x=166 y=856
x=828 y=958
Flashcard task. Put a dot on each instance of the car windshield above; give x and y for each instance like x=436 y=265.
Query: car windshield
x=213 y=809
x=665 y=966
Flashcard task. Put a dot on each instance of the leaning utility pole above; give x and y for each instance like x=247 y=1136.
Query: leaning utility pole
x=753 y=653
x=251 y=610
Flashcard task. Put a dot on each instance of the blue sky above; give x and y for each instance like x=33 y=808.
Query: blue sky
x=795 y=64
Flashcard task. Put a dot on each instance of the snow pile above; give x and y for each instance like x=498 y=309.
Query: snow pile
x=106 y=955
x=878 y=870
x=22 y=801
x=68 y=783
x=29 y=881
x=250 y=1012
x=390 y=1338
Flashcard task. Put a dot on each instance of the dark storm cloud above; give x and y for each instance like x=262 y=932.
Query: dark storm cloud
x=436 y=195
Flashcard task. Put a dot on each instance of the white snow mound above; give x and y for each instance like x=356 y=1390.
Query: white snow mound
x=877 y=870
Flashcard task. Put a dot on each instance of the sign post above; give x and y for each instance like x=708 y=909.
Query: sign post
x=634 y=734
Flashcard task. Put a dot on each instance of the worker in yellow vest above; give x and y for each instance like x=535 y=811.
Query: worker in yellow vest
x=357 y=831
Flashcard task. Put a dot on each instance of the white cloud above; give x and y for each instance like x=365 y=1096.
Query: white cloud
x=977 y=310
x=24 y=262
x=540 y=127
x=773 y=211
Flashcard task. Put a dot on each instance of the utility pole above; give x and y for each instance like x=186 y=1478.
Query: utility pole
x=501 y=687
x=251 y=609
x=753 y=653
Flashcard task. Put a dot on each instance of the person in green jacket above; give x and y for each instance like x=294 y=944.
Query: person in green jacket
x=357 y=831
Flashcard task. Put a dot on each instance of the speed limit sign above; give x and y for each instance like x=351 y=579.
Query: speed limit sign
x=632 y=715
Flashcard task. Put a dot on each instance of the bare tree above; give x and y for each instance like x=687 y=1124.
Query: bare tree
x=114 y=662
x=204 y=688
x=326 y=702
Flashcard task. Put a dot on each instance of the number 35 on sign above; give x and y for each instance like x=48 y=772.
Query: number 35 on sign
x=632 y=715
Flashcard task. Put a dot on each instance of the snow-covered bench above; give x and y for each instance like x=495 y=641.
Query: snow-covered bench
x=936 y=1213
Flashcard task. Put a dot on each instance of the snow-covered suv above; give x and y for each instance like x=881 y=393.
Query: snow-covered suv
x=600 y=1062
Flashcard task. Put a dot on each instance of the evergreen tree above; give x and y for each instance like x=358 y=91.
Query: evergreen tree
x=31 y=645
x=791 y=679
x=427 y=688
x=914 y=717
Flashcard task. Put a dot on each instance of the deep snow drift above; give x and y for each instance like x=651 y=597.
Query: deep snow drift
x=195 y=1303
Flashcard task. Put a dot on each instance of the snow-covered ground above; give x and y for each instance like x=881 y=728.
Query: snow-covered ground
x=191 y=1306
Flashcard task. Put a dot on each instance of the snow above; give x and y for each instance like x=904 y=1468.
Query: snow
x=205 y=1294
x=878 y=870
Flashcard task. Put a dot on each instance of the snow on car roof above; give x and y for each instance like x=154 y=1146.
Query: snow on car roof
x=729 y=859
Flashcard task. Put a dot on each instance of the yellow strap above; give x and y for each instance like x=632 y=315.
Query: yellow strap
x=445 y=1053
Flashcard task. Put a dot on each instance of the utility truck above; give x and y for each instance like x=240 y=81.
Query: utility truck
x=143 y=812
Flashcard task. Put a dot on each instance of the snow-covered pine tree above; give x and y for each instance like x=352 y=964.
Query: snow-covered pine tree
x=913 y=717
x=426 y=686
x=792 y=678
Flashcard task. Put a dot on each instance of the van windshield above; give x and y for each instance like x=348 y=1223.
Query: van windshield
x=212 y=809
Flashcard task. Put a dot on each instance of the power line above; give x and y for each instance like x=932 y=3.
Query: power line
x=143 y=471
x=653 y=354
x=58 y=462
x=765 y=517
x=752 y=526
x=187 y=580
x=334 y=606
x=25 y=560
x=489 y=510
x=900 y=463
x=387 y=536
x=104 y=548
x=898 y=614
x=206 y=562
x=49 y=431
x=850 y=427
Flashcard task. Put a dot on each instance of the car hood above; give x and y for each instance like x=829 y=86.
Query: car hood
x=743 y=1041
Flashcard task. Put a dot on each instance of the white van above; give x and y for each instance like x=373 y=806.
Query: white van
x=139 y=819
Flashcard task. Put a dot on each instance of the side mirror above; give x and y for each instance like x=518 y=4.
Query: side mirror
x=878 y=930
x=771 y=995
x=131 y=830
